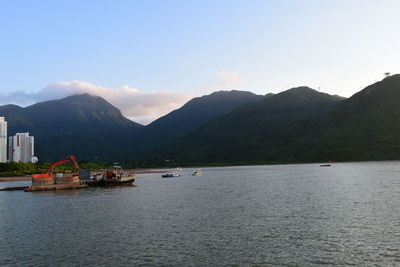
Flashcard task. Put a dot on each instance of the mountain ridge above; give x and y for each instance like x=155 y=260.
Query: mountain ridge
x=363 y=127
x=189 y=117
x=72 y=125
x=241 y=132
x=296 y=125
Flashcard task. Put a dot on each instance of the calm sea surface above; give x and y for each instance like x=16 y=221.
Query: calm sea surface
x=290 y=215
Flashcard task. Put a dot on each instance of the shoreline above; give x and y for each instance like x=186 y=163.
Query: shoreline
x=29 y=177
x=15 y=178
x=163 y=170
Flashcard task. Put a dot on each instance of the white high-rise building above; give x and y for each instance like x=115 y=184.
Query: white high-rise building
x=3 y=139
x=21 y=148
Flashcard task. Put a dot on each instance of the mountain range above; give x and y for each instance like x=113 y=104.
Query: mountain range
x=364 y=127
x=225 y=127
x=253 y=131
x=188 y=118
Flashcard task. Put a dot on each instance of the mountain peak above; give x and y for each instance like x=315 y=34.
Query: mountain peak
x=225 y=96
x=302 y=89
x=83 y=95
x=72 y=125
x=84 y=99
x=10 y=107
x=75 y=111
x=391 y=77
x=388 y=88
x=363 y=127
x=230 y=93
x=191 y=116
x=304 y=94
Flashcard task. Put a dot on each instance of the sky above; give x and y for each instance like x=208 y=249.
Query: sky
x=149 y=57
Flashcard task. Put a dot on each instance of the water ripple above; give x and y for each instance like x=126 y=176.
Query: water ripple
x=284 y=215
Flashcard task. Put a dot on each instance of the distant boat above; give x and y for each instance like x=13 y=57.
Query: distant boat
x=112 y=178
x=325 y=165
x=196 y=173
x=169 y=175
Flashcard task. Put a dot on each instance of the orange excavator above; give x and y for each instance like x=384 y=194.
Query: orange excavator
x=46 y=181
x=49 y=171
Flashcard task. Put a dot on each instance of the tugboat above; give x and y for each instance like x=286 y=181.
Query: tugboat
x=112 y=178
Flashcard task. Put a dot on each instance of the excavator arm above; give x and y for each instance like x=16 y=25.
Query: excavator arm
x=61 y=161
x=49 y=172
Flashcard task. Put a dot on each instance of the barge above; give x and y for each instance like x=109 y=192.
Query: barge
x=111 y=178
x=46 y=181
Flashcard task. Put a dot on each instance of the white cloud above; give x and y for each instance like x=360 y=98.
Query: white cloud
x=225 y=80
x=229 y=78
x=142 y=107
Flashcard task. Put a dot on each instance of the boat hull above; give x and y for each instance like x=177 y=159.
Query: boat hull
x=110 y=183
x=54 y=187
x=170 y=175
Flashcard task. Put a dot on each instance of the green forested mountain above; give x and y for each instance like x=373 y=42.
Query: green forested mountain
x=93 y=129
x=297 y=125
x=84 y=125
x=255 y=131
x=188 y=118
x=364 y=127
x=301 y=125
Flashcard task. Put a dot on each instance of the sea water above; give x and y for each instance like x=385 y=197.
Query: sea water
x=296 y=215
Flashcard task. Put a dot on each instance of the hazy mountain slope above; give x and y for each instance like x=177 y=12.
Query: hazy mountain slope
x=253 y=131
x=189 y=117
x=363 y=127
x=297 y=125
x=75 y=112
x=85 y=125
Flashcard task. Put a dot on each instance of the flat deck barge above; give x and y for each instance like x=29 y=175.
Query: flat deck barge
x=54 y=187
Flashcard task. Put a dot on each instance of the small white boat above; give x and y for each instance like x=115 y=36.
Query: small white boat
x=196 y=173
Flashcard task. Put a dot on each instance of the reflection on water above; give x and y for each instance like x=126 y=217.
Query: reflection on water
x=14 y=184
x=347 y=214
x=59 y=193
